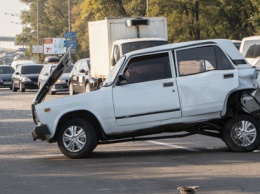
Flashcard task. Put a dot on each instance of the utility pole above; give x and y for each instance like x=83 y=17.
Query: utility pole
x=69 y=14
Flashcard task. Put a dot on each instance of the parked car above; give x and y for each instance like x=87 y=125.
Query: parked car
x=250 y=48
x=45 y=73
x=80 y=79
x=6 y=73
x=15 y=64
x=200 y=87
x=26 y=77
x=62 y=83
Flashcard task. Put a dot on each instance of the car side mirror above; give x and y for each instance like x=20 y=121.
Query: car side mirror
x=82 y=71
x=113 y=62
x=121 y=80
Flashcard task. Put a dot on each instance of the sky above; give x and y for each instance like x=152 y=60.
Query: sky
x=11 y=7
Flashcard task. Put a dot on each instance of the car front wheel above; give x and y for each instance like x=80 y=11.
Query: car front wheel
x=21 y=87
x=14 y=89
x=242 y=134
x=71 y=91
x=77 y=138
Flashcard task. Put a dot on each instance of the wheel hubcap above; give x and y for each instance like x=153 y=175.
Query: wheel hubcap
x=244 y=133
x=74 y=138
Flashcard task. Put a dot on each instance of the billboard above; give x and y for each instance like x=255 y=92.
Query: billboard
x=53 y=46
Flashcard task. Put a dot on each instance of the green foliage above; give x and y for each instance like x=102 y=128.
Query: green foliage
x=187 y=19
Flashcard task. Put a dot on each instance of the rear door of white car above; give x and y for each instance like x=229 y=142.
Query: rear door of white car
x=206 y=76
x=150 y=92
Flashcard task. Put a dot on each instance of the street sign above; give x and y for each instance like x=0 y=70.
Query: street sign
x=70 y=34
x=71 y=40
x=37 y=49
x=53 y=46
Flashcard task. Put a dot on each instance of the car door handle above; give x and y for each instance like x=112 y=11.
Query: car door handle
x=168 y=84
x=227 y=76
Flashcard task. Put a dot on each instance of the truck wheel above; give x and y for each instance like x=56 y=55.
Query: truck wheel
x=242 y=134
x=21 y=87
x=77 y=138
x=71 y=89
x=87 y=87
x=14 y=89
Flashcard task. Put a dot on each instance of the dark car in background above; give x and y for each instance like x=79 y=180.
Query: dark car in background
x=80 y=79
x=6 y=73
x=26 y=77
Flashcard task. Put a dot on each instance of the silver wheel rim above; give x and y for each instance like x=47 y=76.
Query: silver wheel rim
x=244 y=133
x=74 y=138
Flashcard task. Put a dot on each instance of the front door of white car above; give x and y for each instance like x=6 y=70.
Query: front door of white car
x=149 y=93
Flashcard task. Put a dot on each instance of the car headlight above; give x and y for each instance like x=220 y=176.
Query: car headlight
x=25 y=79
x=1 y=81
x=61 y=80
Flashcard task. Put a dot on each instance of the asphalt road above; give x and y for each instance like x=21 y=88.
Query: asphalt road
x=134 y=167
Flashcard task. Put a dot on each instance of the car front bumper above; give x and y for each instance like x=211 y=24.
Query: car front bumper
x=41 y=132
x=30 y=85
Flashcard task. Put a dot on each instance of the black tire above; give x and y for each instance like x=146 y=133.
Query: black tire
x=242 y=134
x=14 y=89
x=71 y=91
x=78 y=145
x=21 y=87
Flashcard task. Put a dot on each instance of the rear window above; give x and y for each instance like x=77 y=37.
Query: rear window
x=31 y=69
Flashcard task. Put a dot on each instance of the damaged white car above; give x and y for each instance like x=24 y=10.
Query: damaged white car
x=199 y=87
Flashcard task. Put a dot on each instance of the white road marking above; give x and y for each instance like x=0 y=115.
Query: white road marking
x=30 y=156
x=171 y=145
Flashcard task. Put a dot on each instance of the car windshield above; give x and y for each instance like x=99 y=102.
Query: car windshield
x=68 y=70
x=6 y=70
x=31 y=69
x=132 y=46
x=112 y=74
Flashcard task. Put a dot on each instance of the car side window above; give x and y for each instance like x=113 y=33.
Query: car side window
x=148 y=68
x=201 y=59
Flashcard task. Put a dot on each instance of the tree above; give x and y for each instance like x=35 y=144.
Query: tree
x=187 y=19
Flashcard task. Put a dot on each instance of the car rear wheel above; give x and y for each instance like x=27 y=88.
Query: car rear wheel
x=21 y=87
x=77 y=138
x=14 y=89
x=242 y=134
x=71 y=89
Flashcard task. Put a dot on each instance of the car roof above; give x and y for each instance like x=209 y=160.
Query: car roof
x=24 y=65
x=138 y=40
x=226 y=44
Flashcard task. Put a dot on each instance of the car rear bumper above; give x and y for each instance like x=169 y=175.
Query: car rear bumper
x=41 y=132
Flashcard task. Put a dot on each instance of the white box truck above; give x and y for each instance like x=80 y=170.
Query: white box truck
x=111 y=38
